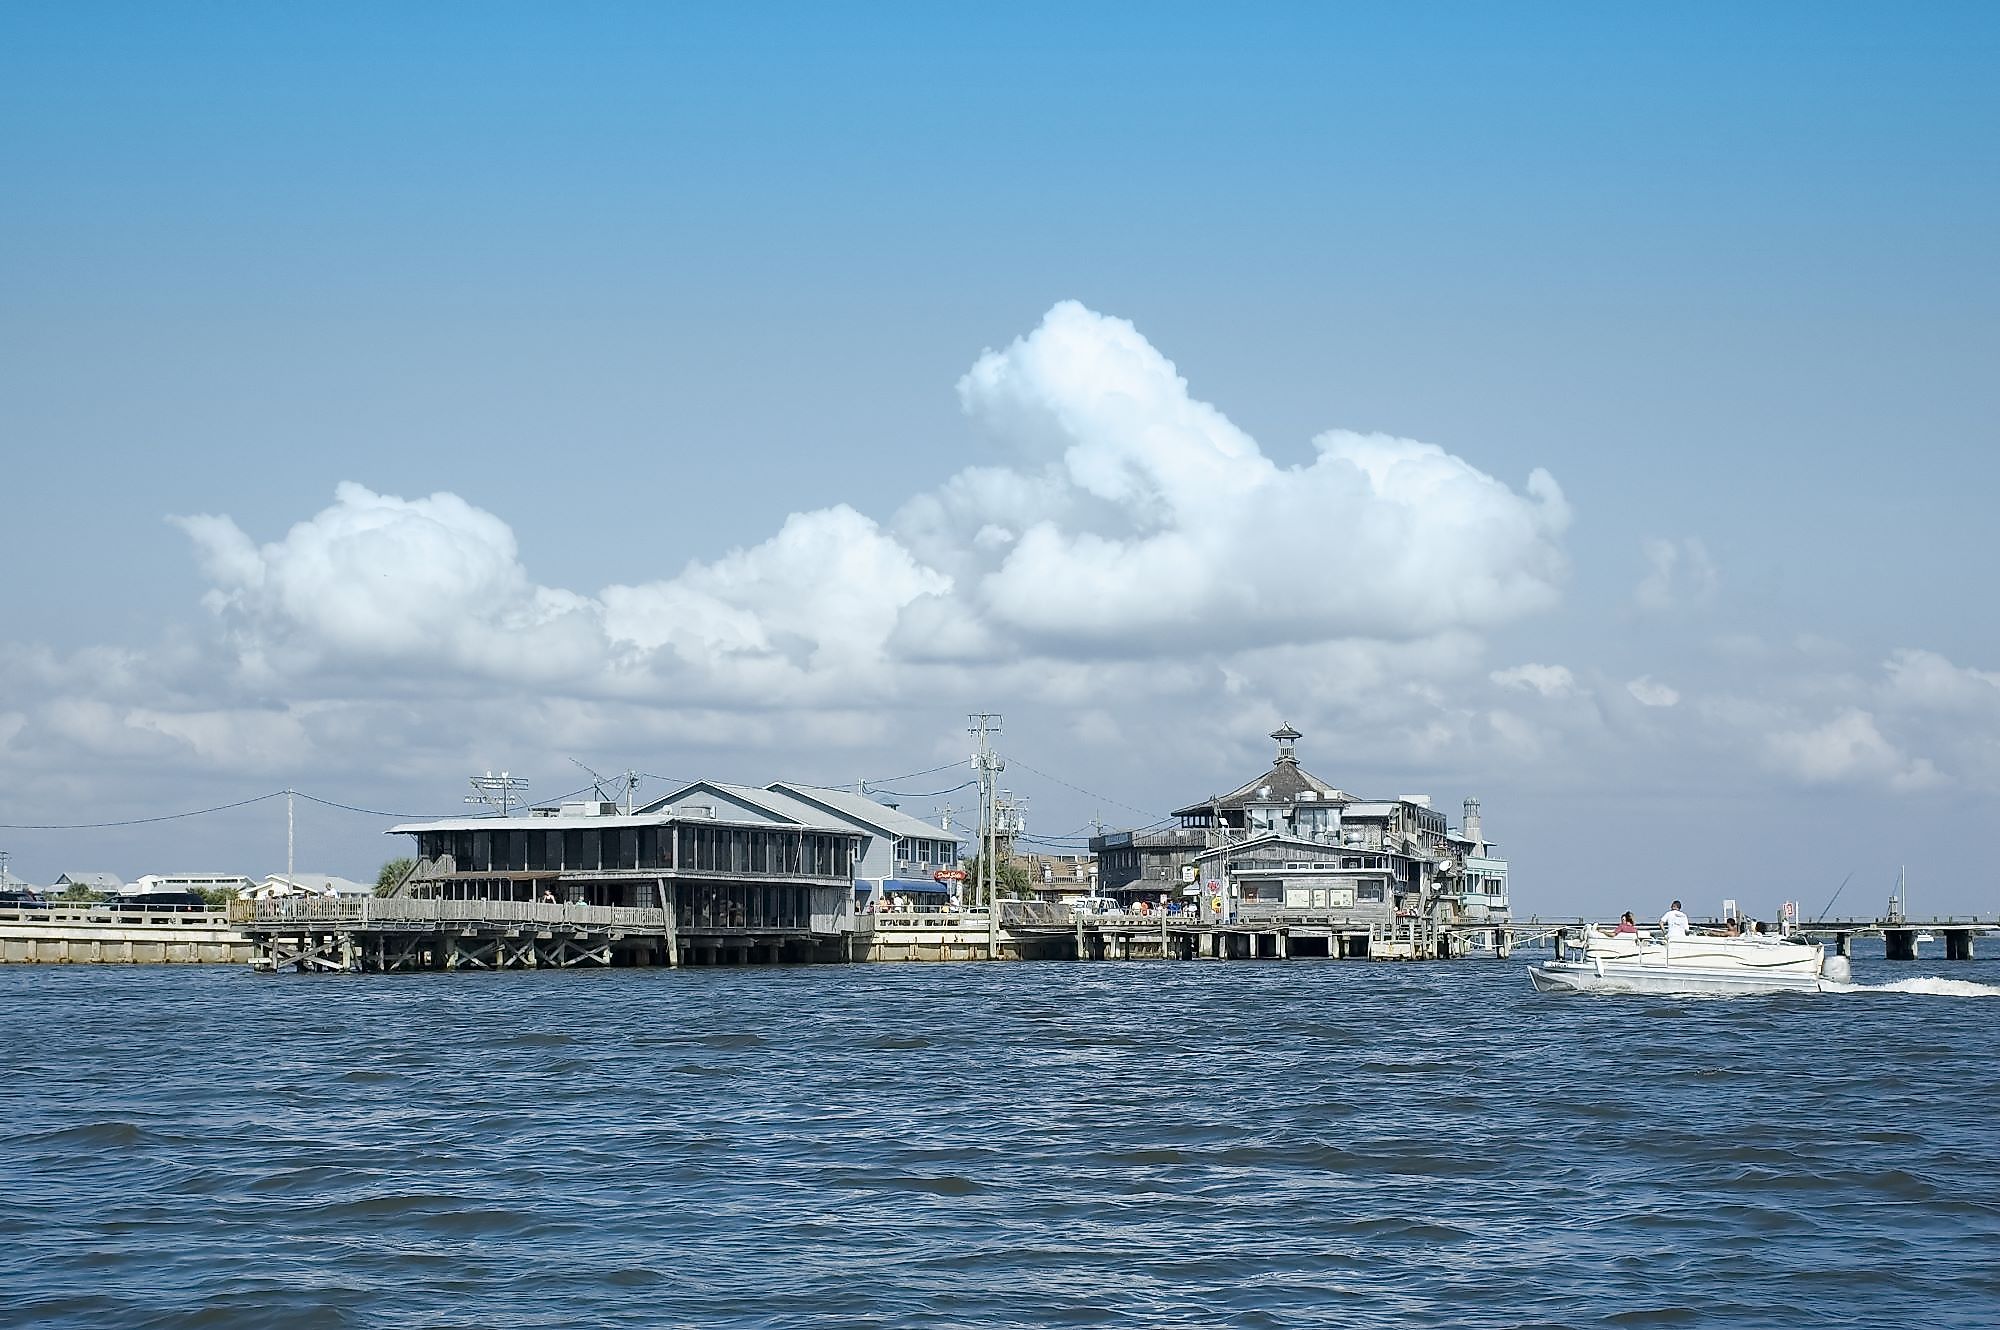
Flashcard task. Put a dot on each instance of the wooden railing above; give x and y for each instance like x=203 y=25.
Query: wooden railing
x=416 y=910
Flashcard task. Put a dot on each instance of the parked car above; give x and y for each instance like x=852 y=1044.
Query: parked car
x=22 y=900
x=159 y=900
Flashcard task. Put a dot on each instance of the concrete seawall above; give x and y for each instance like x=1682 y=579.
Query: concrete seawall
x=100 y=936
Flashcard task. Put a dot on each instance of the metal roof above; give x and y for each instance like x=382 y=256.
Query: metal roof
x=526 y=823
x=330 y=883
x=865 y=809
x=95 y=881
x=774 y=802
x=1274 y=839
x=1286 y=780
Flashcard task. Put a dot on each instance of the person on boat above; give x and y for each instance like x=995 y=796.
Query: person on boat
x=1751 y=928
x=1675 y=922
x=1625 y=926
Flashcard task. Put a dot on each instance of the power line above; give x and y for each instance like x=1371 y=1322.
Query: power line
x=203 y=812
x=908 y=775
x=1092 y=793
x=921 y=794
x=350 y=808
x=135 y=821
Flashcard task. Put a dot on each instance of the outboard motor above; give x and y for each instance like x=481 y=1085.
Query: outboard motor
x=1837 y=970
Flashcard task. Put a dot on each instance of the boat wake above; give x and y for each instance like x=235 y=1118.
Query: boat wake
x=1930 y=985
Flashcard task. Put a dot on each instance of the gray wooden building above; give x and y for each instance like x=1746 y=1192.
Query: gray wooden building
x=1288 y=845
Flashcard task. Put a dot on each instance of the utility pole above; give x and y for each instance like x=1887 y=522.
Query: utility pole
x=291 y=882
x=1010 y=819
x=984 y=725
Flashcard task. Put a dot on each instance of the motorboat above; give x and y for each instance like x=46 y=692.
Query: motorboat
x=1602 y=961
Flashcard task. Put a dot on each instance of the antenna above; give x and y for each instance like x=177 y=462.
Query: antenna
x=628 y=777
x=501 y=791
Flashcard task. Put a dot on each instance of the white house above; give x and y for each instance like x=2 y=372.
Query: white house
x=152 y=882
x=308 y=884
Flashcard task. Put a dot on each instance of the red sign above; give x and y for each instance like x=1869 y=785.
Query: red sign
x=948 y=875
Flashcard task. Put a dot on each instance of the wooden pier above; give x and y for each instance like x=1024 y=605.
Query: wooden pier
x=398 y=934
x=404 y=933
x=1045 y=931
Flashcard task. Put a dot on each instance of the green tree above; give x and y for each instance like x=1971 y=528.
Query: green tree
x=1015 y=881
x=79 y=893
x=218 y=898
x=392 y=874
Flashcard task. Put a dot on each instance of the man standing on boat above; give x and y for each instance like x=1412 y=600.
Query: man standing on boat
x=1675 y=922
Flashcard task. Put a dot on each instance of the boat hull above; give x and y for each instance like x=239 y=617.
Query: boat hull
x=1583 y=977
x=1691 y=965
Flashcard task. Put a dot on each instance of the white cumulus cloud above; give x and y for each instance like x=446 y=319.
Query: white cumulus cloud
x=1143 y=518
x=1129 y=520
x=1648 y=692
x=1548 y=680
x=1849 y=747
x=1927 y=680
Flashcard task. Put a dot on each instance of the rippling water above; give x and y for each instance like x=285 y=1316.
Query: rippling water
x=1140 y=1143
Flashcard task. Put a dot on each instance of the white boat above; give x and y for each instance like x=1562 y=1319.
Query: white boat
x=1605 y=962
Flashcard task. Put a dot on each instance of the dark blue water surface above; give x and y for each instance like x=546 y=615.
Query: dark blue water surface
x=1141 y=1143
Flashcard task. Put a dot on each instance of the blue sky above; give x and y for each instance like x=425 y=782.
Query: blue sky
x=639 y=284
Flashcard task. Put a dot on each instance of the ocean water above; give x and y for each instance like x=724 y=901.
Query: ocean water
x=1300 y=1143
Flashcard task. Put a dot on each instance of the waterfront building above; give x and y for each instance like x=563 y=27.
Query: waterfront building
x=1059 y=878
x=152 y=883
x=899 y=854
x=1287 y=845
x=728 y=856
